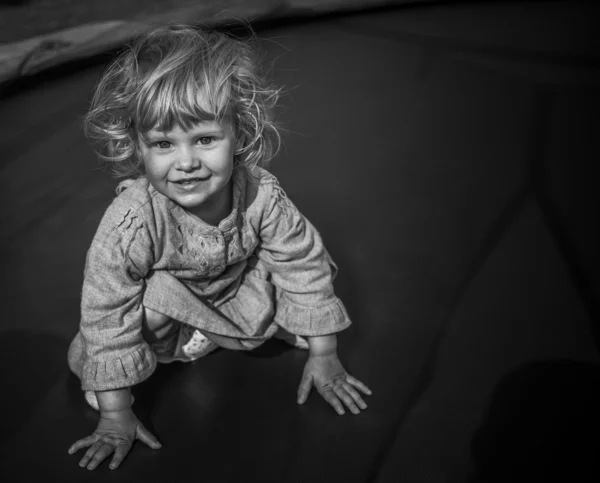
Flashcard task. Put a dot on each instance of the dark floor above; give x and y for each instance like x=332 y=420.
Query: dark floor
x=445 y=155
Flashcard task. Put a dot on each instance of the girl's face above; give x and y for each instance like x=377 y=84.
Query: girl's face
x=193 y=168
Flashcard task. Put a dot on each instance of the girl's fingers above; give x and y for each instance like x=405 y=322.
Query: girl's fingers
x=104 y=452
x=357 y=384
x=341 y=392
x=147 y=437
x=90 y=453
x=304 y=388
x=355 y=395
x=82 y=443
x=330 y=396
x=120 y=452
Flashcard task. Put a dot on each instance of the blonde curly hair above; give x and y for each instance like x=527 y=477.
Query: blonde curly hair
x=178 y=76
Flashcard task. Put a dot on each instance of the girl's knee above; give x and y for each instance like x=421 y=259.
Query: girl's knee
x=155 y=320
x=75 y=355
x=156 y=325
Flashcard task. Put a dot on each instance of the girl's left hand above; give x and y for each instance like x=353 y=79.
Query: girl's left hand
x=333 y=383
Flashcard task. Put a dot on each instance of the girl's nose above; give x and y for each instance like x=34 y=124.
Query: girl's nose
x=188 y=160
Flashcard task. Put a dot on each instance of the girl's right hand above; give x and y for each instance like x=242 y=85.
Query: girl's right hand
x=116 y=432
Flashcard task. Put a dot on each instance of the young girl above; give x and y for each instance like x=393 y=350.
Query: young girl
x=201 y=249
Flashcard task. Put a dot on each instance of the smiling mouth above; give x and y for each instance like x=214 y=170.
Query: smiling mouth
x=190 y=181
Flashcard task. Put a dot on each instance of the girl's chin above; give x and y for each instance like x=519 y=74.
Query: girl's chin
x=197 y=202
x=192 y=204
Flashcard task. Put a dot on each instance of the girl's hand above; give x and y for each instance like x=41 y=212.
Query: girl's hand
x=116 y=432
x=333 y=383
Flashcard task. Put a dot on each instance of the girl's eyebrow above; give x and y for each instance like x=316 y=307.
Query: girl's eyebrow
x=201 y=131
x=154 y=134
x=152 y=137
x=209 y=128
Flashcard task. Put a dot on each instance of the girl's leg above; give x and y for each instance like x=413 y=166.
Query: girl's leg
x=75 y=355
x=172 y=340
x=157 y=326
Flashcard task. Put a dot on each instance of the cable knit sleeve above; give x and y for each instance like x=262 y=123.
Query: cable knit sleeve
x=117 y=263
x=300 y=267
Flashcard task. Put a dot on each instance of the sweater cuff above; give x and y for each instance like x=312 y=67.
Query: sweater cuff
x=120 y=372
x=325 y=319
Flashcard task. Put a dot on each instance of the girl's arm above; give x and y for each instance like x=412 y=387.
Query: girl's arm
x=303 y=271
x=117 y=263
x=115 y=400
x=323 y=345
x=300 y=266
x=116 y=355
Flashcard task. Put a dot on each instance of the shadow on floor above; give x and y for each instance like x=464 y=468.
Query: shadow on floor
x=31 y=363
x=543 y=424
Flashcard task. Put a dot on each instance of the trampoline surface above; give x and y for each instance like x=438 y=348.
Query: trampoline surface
x=428 y=146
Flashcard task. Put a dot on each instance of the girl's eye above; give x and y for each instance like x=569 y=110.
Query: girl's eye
x=206 y=140
x=163 y=144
